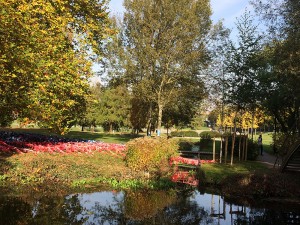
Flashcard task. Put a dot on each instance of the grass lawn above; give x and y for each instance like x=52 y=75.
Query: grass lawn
x=216 y=173
x=87 y=135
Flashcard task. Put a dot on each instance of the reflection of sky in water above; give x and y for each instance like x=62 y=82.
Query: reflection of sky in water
x=218 y=209
x=90 y=201
x=103 y=198
x=95 y=205
x=213 y=204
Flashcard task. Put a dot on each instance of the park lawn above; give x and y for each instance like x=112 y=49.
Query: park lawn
x=216 y=173
x=118 y=138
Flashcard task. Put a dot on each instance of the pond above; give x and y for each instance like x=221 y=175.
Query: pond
x=142 y=207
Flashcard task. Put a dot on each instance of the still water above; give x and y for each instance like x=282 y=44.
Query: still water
x=137 y=208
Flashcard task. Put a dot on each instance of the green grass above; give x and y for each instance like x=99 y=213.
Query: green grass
x=105 y=137
x=267 y=141
x=216 y=173
x=87 y=135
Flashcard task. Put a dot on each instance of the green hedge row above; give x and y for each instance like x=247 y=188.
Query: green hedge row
x=209 y=134
x=184 y=134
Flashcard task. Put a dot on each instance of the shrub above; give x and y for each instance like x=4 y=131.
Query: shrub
x=190 y=133
x=150 y=155
x=185 y=146
x=209 y=134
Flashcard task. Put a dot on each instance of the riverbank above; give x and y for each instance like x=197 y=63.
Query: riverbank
x=67 y=173
x=66 y=167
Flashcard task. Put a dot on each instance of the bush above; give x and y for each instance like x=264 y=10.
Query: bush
x=150 y=155
x=209 y=134
x=185 y=146
x=190 y=133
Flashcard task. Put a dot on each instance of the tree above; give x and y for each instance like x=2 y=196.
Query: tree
x=280 y=70
x=165 y=43
x=114 y=107
x=44 y=65
x=92 y=107
x=242 y=64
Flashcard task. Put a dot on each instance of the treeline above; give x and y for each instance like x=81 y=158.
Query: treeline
x=160 y=61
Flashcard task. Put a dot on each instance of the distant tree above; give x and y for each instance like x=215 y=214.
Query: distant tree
x=92 y=107
x=114 y=108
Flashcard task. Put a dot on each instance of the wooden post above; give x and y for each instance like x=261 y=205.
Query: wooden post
x=240 y=142
x=214 y=149
x=246 y=153
x=232 y=148
x=221 y=149
x=226 y=149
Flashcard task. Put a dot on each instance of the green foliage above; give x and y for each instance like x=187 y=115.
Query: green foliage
x=165 y=47
x=44 y=62
x=150 y=155
x=185 y=145
x=209 y=134
x=114 y=106
x=279 y=73
x=242 y=64
x=188 y=133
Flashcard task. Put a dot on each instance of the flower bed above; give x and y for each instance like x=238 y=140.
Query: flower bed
x=11 y=143
x=194 y=162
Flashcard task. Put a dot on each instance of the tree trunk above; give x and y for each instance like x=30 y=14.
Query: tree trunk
x=159 y=119
x=252 y=125
x=233 y=138
x=149 y=121
x=110 y=127
x=221 y=149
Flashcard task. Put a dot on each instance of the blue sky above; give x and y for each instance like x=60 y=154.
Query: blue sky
x=228 y=10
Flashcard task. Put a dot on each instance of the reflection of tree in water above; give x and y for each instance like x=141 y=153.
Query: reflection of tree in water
x=57 y=211
x=267 y=216
x=14 y=211
x=139 y=208
x=134 y=208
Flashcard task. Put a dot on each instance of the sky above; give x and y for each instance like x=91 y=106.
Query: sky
x=226 y=10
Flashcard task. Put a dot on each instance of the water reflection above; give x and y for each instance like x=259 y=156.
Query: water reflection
x=137 y=208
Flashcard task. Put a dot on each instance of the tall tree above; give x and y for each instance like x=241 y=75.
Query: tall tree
x=280 y=73
x=243 y=69
x=44 y=65
x=166 y=46
x=242 y=64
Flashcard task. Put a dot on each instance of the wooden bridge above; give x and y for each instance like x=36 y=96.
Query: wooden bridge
x=292 y=160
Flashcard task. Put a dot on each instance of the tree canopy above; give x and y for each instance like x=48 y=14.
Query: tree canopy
x=280 y=70
x=46 y=49
x=165 y=49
